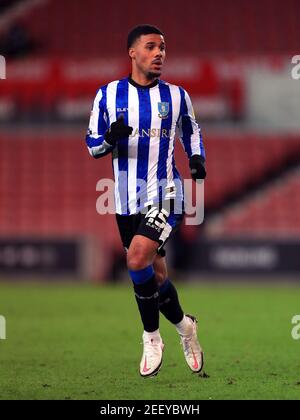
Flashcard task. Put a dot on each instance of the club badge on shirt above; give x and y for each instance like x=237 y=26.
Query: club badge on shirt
x=163 y=109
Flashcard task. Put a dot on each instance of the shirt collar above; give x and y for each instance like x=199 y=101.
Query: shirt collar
x=133 y=83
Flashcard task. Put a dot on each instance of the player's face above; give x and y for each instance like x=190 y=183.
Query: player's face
x=148 y=54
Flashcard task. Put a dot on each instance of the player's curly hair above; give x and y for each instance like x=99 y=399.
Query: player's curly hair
x=140 y=30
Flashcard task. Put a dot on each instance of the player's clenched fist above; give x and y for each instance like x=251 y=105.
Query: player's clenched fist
x=197 y=167
x=117 y=131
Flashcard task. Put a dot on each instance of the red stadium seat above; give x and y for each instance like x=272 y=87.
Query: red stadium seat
x=48 y=185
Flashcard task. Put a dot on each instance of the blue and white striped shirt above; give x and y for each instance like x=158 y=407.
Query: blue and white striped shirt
x=143 y=164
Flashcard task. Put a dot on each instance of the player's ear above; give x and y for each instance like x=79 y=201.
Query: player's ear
x=131 y=53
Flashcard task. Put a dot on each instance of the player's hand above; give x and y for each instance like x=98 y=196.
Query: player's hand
x=197 y=167
x=117 y=131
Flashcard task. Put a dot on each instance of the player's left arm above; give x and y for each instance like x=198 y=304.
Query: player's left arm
x=191 y=137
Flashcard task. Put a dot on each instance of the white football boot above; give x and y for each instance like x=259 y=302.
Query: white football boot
x=191 y=347
x=152 y=355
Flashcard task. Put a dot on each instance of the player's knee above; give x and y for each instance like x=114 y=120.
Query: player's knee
x=137 y=261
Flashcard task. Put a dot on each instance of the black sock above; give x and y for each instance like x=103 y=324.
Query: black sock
x=169 y=304
x=146 y=295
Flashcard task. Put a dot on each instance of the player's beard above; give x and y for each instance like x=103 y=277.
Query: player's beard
x=153 y=75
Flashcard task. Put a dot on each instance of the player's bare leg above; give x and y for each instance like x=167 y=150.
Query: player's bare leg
x=140 y=258
x=160 y=269
x=141 y=253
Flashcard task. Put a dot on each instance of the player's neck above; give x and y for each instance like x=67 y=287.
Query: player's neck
x=141 y=79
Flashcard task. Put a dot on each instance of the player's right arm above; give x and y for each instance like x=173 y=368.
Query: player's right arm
x=98 y=126
x=101 y=139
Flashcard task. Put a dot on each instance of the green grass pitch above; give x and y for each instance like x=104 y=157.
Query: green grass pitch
x=84 y=342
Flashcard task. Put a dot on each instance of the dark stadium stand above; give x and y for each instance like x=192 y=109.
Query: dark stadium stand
x=48 y=184
x=238 y=162
x=48 y=188
x=232 y=27
x=47 y=179
x=5 y=4
x=273 y=213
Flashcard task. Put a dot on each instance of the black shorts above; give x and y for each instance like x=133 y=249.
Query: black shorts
x=157 y=222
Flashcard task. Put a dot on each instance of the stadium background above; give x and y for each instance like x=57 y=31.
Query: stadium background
x=234 y=58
